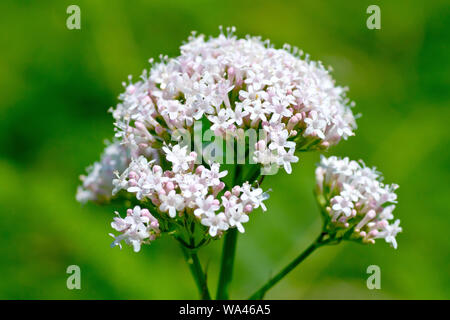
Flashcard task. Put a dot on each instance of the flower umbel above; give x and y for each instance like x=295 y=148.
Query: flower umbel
x=232 y=86
x=355 y=203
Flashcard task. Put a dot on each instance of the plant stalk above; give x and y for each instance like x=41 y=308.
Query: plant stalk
x=199 y=276
x=226 y=269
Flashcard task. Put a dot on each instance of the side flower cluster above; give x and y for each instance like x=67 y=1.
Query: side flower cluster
x=190 y=189
x=138 y=227
x=356 y=203
x=97 y=184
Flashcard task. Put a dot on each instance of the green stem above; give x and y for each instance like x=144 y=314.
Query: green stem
x=228 y=251
x=226 y=269
x=316 y=244
x=193 y=262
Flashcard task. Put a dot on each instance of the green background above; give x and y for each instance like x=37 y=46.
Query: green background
x=57 y=84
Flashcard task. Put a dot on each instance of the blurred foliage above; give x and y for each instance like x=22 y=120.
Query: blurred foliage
x=57 y=85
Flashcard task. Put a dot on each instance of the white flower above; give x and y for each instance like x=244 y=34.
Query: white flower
x=201 y=104
x=191 y=188
x=236 y=217
x=221 y=121
x=390 y=232
x=215 y=223
x=315 y=125
x=387 y=212
x=214 y=175
x=346 y=167
x=237 y=114
x=178 y=157
x=279 y=140
x=279 y=108
x=286 y=158
x=256 y=110
x=253 y=196
x=342 y=205
x=206 y=207
x=172 y=109
x=120 y=182
x=350 y=192
x=135 y=228
x=171 y=203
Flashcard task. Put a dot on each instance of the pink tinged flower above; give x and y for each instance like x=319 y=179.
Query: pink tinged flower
x=155 y=181
x=202 y=105
x=215 y=223
x=119 y=224
x=135 y=228
x=279 y=108
x=279 y=140
x=178 y=157
x=351 y=193
x=293 y=121
x=191 y=188
x=315 y=125
x=248 y=96
x=387 y=213
x=223 y=88
x=286 y=158
x=390 y=232
x=257 y=111
x=257 y=79
x=214 y=175
x=253 y=196
x=372 y=189
x=171 y=203
x=249 y=208
x=347 y=167
x=368 y=217
x=237 y=218
x=172 y=109
x=206 y=207
x=237 y=114
x=221 y=120
x=341 y=204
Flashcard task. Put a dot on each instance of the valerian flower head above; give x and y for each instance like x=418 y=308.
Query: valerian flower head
x=232 y=85
x=355 y=203
x=236 y=84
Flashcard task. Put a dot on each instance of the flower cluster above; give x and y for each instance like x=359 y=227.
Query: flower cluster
x=356 y=203
x=232 y=85
x=190 y=189
x=97 y=184
x=138 y=227
x=237 y=84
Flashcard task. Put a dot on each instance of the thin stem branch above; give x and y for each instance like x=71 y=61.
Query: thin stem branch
x=316 y=244
x=226 y=269
x=199 y=276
